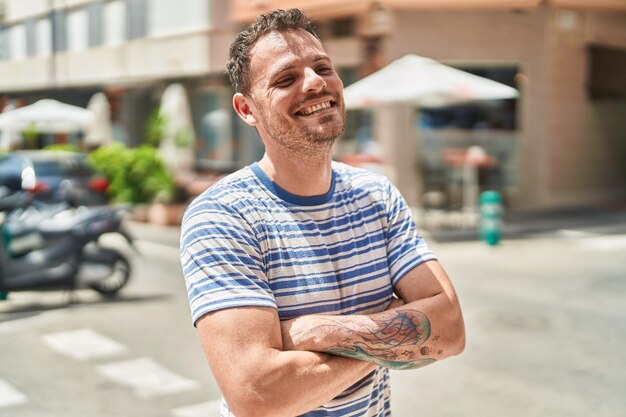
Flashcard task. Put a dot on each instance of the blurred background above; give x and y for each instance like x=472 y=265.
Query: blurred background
x=519 y=144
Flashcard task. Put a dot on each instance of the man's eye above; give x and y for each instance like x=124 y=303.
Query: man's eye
x=324 y=70
x=284 y=82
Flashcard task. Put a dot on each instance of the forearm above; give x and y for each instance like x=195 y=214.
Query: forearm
x=293 y=383
x=411 y=336
x=310 y=379
x=258 y=377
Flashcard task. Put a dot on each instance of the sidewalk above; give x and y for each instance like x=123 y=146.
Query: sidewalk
x=164 y=235
x=519 y=225
x=545 y=321
x=516 y=226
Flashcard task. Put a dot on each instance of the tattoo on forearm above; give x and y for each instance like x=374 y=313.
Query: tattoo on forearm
x=392 y=341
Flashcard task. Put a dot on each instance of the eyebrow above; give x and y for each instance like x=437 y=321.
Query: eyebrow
x=290 y=65
x=321 y=58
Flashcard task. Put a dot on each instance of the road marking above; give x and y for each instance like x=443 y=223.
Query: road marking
x=573 y=233
x=9 y=396
x=605 y=243
x=15 y=325
x=83 y=344
x=208 y=409
x=146 y=377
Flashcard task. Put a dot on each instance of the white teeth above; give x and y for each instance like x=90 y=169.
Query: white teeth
x=317 y=107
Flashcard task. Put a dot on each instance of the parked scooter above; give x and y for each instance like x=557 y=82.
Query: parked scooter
x=56 y=247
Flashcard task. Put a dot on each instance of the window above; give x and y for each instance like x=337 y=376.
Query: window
x=17 y=41
x=607 y=72
x=342 y=28
x=94 y=11
x=77 y=30
x=358 y=122
x=4 y=43
x=59 y=31
x=497 y=115
x=43 y=37
x=136 y=19
x=172 y=16
x=215 y=127
x=114 y=22
x=29 y=26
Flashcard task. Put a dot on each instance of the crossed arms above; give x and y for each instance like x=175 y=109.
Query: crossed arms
x=266 y=367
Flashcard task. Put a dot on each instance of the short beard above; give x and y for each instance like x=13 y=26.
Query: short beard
x=309 y=143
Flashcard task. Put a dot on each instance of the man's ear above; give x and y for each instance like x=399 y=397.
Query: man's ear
x=242 y=106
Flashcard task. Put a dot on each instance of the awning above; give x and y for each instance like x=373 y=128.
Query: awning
x=504 y=4
x=247 y=10
x=607 y=5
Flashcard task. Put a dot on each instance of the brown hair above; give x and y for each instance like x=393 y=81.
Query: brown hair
x=277 y=20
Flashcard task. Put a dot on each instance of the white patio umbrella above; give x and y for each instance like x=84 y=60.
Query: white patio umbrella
x=414 y=82
x=99 y=131
x=422 y=82
x=48 y=116
x=179 y=157
x=8 y=137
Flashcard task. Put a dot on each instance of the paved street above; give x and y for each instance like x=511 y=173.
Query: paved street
x=137 y=356
x=545 y=316
x=546 y=326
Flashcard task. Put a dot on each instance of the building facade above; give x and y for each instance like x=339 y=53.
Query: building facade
x=131 y=50
x=565 y=146
x=561 y=143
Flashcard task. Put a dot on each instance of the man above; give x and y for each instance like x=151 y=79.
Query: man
x=292 y=263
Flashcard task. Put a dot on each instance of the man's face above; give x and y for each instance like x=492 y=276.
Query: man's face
x=295 y=91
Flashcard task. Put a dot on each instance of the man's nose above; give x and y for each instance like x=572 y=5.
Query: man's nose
x=312 y=81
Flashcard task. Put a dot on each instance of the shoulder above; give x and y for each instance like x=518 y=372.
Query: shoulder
x=224 y=200
x=361 y=180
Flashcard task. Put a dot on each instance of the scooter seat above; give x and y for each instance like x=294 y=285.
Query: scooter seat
x=67 y=221
x=45 y=258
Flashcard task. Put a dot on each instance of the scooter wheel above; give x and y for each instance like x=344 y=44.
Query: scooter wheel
x=117 y=279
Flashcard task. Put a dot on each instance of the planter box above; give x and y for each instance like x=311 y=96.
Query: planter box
x=165 y=214
x=139 y=213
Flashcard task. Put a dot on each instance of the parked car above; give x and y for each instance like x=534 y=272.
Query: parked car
x=54 y=176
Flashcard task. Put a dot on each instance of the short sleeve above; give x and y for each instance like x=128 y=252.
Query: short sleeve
x=221 y=262
x=406 y=248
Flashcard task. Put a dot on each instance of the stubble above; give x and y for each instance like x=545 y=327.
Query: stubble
x=310 y=142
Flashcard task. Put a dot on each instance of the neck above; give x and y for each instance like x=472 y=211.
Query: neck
x=303 y=175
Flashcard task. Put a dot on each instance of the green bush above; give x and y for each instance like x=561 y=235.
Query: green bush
x=136 y=175
x=155 y=127
x=61 y=147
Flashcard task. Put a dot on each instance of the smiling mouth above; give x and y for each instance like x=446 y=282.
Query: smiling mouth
x=316 y=108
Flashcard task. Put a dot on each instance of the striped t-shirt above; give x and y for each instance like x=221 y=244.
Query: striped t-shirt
x=247 y=242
